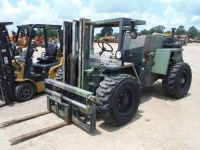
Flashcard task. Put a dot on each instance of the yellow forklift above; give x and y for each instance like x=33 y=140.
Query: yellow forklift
x=29 y=76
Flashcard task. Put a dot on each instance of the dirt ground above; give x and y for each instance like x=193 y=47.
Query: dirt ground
x=161 y=122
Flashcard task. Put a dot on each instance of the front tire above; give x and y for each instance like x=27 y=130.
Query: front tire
x=24 y=91
x=177 y=82
x=117 y=99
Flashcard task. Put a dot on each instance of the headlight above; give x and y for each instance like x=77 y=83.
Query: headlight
x=118 y=54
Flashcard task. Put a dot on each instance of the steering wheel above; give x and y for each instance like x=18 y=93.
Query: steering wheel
x=31 y=51
x=103 y=48
x=33 y=47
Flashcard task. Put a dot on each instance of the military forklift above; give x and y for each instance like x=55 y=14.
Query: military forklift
x=29 y=75
x=111 y=84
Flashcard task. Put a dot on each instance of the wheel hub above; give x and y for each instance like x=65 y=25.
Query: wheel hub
x=124 y=101
x=183 y=80
x=25 y=92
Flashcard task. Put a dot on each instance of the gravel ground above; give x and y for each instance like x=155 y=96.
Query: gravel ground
x=160 y=123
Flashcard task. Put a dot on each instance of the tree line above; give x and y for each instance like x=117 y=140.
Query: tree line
x=50 y=32
x=191 y=32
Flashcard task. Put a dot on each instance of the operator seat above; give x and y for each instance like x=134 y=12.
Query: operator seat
x=50 y=55
x=46 y=62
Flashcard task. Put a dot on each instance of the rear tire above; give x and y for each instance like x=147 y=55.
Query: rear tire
x=24 y=91
x=117 y=99
x=178 y=80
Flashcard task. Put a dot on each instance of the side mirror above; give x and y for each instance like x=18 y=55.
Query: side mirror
x=133 y=30
x=134 y=34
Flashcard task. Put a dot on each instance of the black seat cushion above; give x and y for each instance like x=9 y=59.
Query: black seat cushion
x=50 y=55
x=46 y=59
x=39 y=67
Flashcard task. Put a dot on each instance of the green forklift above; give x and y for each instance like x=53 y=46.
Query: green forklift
x=109 y=85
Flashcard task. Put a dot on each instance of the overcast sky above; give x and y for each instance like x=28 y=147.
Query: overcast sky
x=169 y=13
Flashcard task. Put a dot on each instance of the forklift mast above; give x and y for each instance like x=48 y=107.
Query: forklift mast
x=84 y=52
x=79 y=108
x=77 y=45
x=7 y=81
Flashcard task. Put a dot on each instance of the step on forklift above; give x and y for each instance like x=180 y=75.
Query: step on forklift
x=28 y=75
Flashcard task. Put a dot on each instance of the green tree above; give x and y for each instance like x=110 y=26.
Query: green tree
x=52 y=33
x=198 y=35
x=168 y=32
x=144 y=32
x=97 y=35
x=39 y=32
x=192 y=32
x=152 y=30
x=106 y=31
x=116 y=35
x=180 y=30
x=22 y=32
x=159 y=29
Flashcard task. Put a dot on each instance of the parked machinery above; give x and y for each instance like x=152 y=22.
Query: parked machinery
x=111 y=84
x=28 y=75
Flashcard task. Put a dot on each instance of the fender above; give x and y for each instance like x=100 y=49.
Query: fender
x=52 y=71
x=162 y=59
x=127 y=68
x=39 y=86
